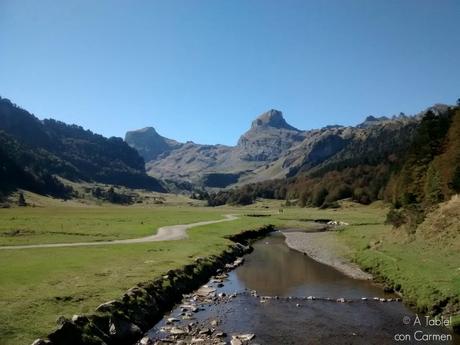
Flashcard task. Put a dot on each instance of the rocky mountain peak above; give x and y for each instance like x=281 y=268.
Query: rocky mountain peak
x=272 y=118
x=149 y=143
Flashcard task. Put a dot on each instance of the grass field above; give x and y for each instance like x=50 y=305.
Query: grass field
x=38 y=285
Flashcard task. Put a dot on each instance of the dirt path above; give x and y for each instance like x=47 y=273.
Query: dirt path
x=165 y=233
x=324 y=247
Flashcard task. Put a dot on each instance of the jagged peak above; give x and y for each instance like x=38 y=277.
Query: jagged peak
x=272 y=118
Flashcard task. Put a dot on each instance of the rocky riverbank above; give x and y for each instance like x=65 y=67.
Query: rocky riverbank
x=326 y=249
x=125 y=320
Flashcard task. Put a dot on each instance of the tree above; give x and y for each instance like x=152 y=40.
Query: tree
x=455 y=183
x=433 y=189
x=21 y=200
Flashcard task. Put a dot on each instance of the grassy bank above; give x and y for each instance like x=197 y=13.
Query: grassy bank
x=38 y=285
x=424 y=265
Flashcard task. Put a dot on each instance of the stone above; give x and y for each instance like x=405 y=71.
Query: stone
x=205 y=331
x=172 y=320
x=145 y=341
x=236 y=342
x=214 y=323
x=177 y=331
x=204 y=291
x=60 y=320
x=107 y=306
x=341 y=300
x=41 y=342
x=244 y=337
x=124 y=330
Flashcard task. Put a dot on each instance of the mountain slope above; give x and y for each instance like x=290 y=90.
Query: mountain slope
x=219 y=165
x=46 y=148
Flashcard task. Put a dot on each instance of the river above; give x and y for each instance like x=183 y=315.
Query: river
x=289 y=316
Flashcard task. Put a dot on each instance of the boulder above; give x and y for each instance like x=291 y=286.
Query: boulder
x=123 y=330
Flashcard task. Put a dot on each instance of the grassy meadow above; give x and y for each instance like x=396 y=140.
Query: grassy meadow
x=38 y=285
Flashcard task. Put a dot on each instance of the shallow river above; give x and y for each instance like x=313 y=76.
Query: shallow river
x=273 y=269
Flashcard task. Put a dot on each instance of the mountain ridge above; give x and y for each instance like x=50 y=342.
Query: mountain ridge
x=35 y=151
x=270 y=148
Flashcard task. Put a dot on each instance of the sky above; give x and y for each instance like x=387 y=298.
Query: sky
x=203 y=70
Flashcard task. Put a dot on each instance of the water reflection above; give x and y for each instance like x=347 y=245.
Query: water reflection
x=275 y=269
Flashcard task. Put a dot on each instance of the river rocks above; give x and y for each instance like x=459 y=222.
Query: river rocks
x=41 y=342
x=124 y=330
x=145 y=341
x=243 y=337
x=107 y=306
x=204 y=291
x=172 y=320
x=205 y=331
x=235 y=264
x=177 y=331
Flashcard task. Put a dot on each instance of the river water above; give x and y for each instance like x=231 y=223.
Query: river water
x=273 y=269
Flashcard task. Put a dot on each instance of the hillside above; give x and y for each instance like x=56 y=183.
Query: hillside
x=273 y=149
x=34 y=152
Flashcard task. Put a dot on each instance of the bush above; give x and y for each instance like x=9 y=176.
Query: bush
x=396 y=218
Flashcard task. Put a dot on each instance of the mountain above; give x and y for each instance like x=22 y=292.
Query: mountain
x=34 y=152
x=217 y=165
x=411 y=162
x=273 y=149
x=149 y=143
x=269 y=137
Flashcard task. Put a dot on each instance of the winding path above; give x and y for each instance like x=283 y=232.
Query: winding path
x=165 y=233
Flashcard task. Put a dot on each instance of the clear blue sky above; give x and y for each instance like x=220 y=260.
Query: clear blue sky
x=203 y=70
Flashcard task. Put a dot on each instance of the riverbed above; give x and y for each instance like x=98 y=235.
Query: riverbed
x=281 y=296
